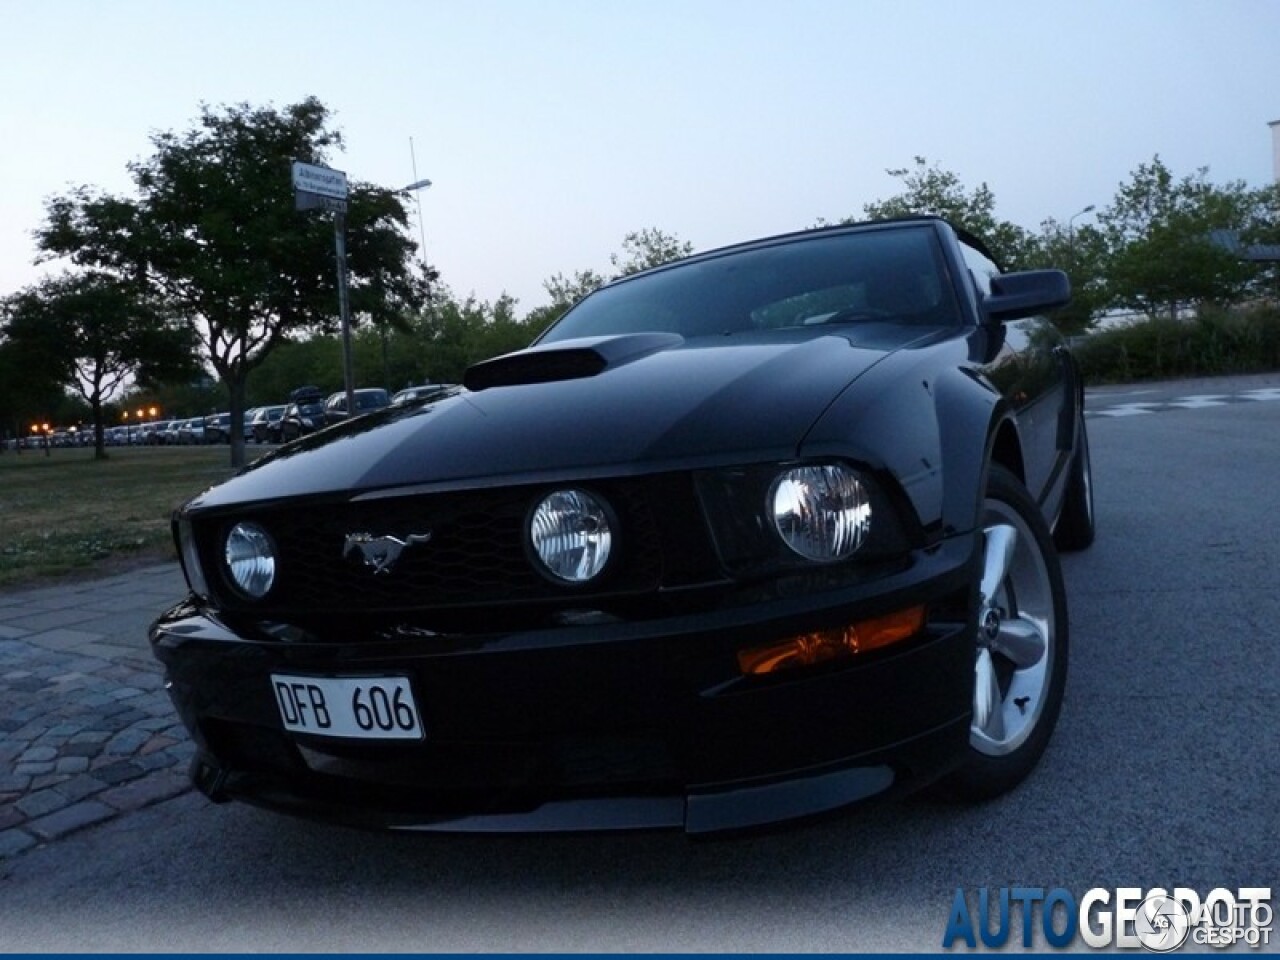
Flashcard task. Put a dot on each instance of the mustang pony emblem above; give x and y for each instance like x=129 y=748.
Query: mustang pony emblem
x=380 y=553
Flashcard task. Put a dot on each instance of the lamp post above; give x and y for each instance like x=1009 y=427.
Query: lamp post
x=416 y=189
x=1071 y=232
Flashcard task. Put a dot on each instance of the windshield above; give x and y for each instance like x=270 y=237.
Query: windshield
x=893 y=275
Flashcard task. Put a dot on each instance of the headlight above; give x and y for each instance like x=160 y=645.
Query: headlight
x=821 y=512
x=251 y=559
x=571 y=535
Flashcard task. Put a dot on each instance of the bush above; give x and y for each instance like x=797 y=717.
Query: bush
x=1216 y=341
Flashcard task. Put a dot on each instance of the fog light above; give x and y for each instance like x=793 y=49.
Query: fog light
x=821 y=646
x=571 y=536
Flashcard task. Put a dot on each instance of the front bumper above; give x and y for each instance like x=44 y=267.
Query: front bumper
x=607 y=726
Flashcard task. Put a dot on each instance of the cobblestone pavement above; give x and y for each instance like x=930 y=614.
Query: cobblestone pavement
x=87 y=731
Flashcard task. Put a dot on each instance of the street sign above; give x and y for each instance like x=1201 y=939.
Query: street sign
x=320 y=188
x=310 y=178
x=316 y=201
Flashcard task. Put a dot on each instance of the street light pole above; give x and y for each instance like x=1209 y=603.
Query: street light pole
x=416 y=189
x=1071 y=232
x=344 y=309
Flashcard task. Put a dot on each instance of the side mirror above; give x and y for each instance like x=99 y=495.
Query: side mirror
x=1015 y=295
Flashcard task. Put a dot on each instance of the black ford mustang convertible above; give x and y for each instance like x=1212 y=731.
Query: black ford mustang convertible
x=750 y=536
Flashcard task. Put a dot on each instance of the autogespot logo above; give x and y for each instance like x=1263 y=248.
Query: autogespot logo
x=1162 y=923
x=1126 y=918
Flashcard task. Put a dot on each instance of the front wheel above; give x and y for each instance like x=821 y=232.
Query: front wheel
x=1020 y=662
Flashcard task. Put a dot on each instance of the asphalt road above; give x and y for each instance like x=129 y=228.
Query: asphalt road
x=1164 y=772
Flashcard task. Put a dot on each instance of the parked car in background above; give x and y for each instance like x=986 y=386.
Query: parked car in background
x=259 y=428
x=217 y=428
x=247 y=425
x=423 y=391
x=366 y=399
x=191 y=431
x=152 y=433
x=302 y=416
x=170 y=435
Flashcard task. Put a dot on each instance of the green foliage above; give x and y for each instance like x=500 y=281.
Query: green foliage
x=643 y=249
x=1217 y=341
x=459 y=334
x=173 y=401
x=435 y=347
x=1082 y=254
x=90 y=332
x=1158 y=232
x=213 y=231
x=30 y=392
x=315 y=360
x=565 y=291
x=932 y=191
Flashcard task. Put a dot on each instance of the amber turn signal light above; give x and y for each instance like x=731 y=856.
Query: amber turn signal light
x=821 y=646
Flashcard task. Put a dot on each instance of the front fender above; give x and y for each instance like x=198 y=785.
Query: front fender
x=931 y=426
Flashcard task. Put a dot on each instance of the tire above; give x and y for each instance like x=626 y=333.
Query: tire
x=1076 y=525
x=1020 y=662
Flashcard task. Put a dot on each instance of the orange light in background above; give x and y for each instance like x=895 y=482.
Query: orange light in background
x=153 y=412
x=141 y=413
x=821 y=646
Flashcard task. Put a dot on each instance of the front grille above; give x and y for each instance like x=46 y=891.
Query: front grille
x=476 y=553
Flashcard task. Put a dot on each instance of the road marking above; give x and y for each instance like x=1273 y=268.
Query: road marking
x=1194 y=401
x=1125 y=410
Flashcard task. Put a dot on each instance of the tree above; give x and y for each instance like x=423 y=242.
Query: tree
x=213 y=231
x=932 y=191
x=651 y=247
x=641 y=250
x=312 y=361
x=94 y=332
x=1082 y=253
x=1263 y=231
x=460 y=333
x=29 y=390
x=1159 y=230
x=565 y=292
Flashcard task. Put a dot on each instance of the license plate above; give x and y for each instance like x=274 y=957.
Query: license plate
x=368 y=708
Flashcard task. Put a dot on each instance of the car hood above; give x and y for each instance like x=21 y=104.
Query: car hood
x=606 y=405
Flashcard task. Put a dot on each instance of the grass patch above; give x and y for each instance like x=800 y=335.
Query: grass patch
x=66 y=512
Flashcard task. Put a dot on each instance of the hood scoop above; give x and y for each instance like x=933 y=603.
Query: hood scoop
x=566 y=360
